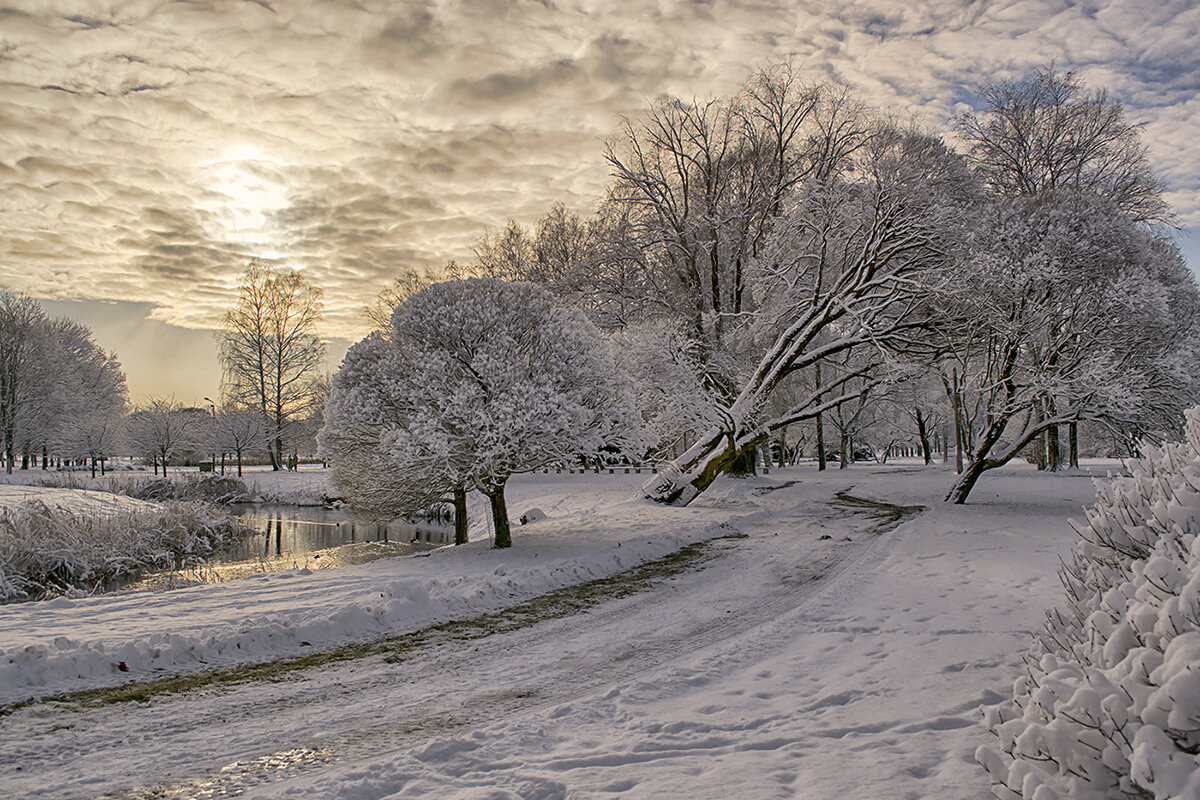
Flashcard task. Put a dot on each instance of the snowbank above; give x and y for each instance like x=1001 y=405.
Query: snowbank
x=591 y=529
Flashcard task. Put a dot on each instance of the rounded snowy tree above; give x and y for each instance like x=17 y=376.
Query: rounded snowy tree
x=478 y=380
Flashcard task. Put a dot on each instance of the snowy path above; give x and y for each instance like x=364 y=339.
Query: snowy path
x=787 y=665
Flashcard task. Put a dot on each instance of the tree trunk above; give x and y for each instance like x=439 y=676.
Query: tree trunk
x=923 y=434
x=93 y=466
x=1053 y=450
x=743 y=465
x=239 y=459
x=966 y=481
x=500 y=517
x=1073 y=445
x=960 y=435
x=694 y=471
x=820 y=426
x=460 y=515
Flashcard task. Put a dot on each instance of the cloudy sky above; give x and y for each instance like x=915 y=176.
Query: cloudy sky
x=149 y=148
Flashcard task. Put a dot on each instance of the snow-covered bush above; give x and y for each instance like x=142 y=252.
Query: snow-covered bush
x=1110 y=702
x=46 y=550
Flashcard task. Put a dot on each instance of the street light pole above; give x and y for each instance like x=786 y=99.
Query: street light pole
x=213 y=440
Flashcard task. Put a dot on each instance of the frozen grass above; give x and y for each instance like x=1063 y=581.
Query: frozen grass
x=204 y=488
x=305 y=487
x=47 y=551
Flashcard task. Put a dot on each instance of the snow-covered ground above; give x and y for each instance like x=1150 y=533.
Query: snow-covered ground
x=787 y=664
x=592 y=529
x=79 y=501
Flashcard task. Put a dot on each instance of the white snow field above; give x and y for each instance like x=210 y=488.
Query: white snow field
x=812 y=656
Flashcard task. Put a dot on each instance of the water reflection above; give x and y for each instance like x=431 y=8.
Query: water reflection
x=289 y=530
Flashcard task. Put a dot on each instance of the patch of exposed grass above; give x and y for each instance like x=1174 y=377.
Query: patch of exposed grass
x=888 y=515
x=553 y=605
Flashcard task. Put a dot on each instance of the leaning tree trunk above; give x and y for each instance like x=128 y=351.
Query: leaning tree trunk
x=500 y=517
x=967 y=480
x=1073 y=445
x=744 y=464
x=460 y=515
x=679 y=482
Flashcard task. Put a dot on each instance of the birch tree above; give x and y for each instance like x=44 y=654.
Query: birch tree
x=269 y=350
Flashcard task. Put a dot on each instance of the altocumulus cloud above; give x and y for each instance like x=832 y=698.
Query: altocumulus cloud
x=148 y=149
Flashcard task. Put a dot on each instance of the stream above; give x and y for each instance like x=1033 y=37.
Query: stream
x=287 y=530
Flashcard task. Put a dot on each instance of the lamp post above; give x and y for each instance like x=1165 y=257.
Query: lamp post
x=213 y=440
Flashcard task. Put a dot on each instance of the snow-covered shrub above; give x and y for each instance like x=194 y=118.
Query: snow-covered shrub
x=1109 y=706
x=46 y=550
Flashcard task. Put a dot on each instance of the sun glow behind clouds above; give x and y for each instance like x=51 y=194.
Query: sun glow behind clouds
x=244 y=194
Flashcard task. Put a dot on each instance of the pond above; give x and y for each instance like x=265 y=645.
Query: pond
x=293 y=530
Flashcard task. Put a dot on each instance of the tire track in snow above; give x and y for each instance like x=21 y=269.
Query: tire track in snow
x=341 y=713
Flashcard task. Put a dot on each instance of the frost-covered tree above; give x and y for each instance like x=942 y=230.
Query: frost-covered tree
x=697 y=188
x=1065 y=310
x=1109 y=706
x=22 y=323
x=382 y=441
x=60 y=393
x=92 y=401
x=1048 y=133
x=480 y=379
x=269 y=350
x=162 y=427
x=239 y=431
x=837 y=272
x=669 y=382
